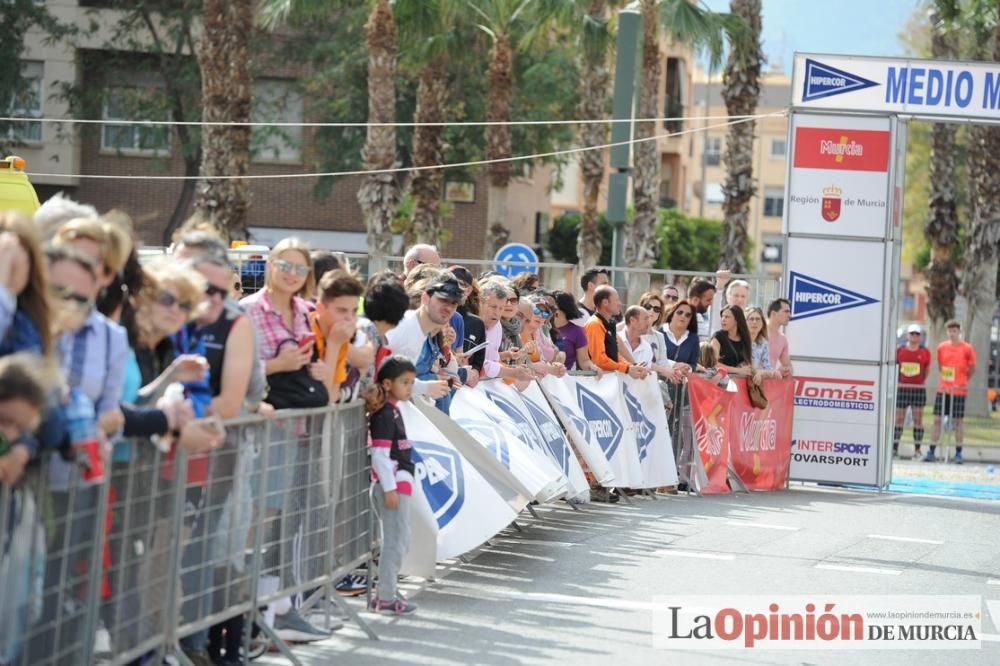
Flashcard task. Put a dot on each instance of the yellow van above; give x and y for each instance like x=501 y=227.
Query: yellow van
x=16 y=192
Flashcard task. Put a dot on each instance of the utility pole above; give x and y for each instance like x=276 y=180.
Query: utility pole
x=623 y=97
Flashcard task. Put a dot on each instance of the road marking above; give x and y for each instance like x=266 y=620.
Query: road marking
x=534 y=542
x=765 y=526
x=696 y=553
x=993 y=581
x=906 y=539
x=844 y=567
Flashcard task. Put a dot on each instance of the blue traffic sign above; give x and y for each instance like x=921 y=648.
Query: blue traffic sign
x=516 y=252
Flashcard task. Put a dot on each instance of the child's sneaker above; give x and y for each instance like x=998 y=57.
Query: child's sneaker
x=395 y=606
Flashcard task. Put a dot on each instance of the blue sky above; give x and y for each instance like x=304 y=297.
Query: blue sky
x=856 y=27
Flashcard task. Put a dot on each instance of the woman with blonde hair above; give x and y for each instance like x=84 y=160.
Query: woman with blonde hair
x=24 y=304
x=760 y=352
x=280 y=311
x=107 y=240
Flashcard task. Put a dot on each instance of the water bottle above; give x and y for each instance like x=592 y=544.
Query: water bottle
x=81 y=425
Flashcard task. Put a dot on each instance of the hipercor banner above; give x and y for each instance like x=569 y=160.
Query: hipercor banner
x=561 y=394
x=492 y=428
x=942 y=88
x=760 y=440
x=538 y=423
x=644 y=403
x=601 y=402
x=453 y=509
x=835 y=433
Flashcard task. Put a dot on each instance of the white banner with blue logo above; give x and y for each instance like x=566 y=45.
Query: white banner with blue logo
x=475 y=413
x=537 y=423
x=454 y=509
x=652 y=434
x=602 y=404
x=561 y=393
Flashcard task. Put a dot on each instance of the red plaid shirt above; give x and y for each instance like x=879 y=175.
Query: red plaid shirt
x=271 y=329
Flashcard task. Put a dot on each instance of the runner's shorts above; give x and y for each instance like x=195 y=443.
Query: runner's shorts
x=949 y=405
x=910 y=396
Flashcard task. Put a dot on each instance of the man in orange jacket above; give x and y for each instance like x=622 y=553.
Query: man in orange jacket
x=602 y=338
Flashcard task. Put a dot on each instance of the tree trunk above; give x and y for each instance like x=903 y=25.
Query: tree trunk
x=941 y=227
x=379 y=193
x=979 y=281
x=428 y=150
x=226 y=86
x=500 y=84
x=741 y=90
x=594 y=81
x=640 y=236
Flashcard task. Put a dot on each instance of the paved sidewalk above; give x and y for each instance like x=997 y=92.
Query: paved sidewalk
x=577 y=587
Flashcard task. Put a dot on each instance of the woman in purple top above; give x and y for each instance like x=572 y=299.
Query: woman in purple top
x=572 y=339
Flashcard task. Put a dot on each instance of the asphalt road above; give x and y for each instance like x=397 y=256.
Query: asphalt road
x=577 y=587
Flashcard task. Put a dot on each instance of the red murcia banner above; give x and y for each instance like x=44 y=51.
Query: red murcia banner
x=731 y=432
x=841 y=150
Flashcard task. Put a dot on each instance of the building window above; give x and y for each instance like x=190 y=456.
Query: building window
x=778 y=148
x=774 y=201
x=676 y=94
x=714 y=194
x=276 y=101
x=771 y=249
x=28 y=104
x=135 y=103
x=713 y=151
x=667 y=199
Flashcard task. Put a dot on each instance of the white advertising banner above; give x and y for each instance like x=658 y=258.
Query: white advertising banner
x=561 y=393
x=946 y=89
x=835 y=288
x=656 y=455
x=839 y=181
x=603 y=406
x=539 y=419
x=497 y=432
x=454 y=509
x=836 y=422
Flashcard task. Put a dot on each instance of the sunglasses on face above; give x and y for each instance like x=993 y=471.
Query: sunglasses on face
x=544 y=314
x=169 y=300
x=652 y=307
x=70 y=296
x=913 y=333
x=512 y=299
x=211 y=290
x=683 y=313
x=673 y=298
x=289 y=267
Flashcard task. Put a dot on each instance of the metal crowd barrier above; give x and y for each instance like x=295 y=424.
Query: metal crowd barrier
x=165 y=547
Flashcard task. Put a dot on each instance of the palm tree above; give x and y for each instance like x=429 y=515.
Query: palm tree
x=942 y=223
x=224 y=57
x=594 y=81
x=741 y=90
x=379 y=195
x=513 y=26
x=979 y=281
x=429 y=37
x=683 y=22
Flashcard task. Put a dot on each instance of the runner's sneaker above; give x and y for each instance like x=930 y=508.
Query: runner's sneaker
x=292 y=627
x=958 y=458
x=398 y=606
x=930 y=457
x=352 y=585
x=599 y=494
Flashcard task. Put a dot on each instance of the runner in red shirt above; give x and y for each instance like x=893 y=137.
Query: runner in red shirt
x=957 y=362
x=914 y=361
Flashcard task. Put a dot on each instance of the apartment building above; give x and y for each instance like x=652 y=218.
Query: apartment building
x=675 y=94
x=66 y=158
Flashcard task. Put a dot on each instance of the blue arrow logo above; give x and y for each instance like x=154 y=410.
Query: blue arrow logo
x=825 y=81
x=811 y=297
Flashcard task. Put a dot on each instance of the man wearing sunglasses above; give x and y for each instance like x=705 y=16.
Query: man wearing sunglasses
x=418 y=255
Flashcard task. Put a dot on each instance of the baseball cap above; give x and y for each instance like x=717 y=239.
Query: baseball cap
x=914 y=328
x=446 y=287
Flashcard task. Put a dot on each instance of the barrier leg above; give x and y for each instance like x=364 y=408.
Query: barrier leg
x=353 y=615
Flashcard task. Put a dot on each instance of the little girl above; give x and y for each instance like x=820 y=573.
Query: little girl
x=392 y=472
x=710 y=361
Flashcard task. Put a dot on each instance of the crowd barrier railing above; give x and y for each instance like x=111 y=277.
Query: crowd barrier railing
x=144 y=556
